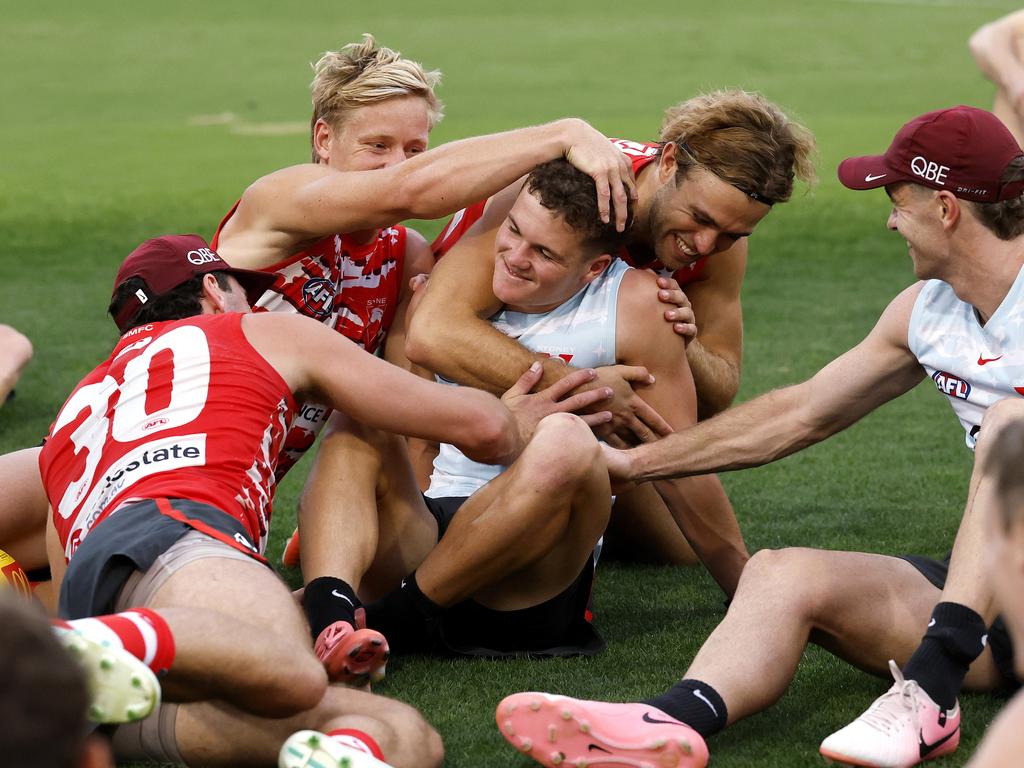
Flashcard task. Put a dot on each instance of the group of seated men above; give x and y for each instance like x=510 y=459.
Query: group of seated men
x=584 y=289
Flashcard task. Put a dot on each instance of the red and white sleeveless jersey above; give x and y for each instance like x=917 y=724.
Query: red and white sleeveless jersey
x=641 y=155
x=181 y=409
x=346 y=285
x=351 y=287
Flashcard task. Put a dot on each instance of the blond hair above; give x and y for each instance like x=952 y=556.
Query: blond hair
x=742 y=138
x=361 y=74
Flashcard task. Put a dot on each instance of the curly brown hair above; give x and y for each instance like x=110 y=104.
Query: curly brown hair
x=571 y=194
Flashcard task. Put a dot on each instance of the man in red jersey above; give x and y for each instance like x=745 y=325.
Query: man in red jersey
x=160 y=472
x=724 y=159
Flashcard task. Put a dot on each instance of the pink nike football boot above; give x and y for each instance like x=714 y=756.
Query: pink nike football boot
x=902 y=728
x=560 y=731
x=353 y=656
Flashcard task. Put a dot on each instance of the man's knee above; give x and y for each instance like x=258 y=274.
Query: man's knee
x=17 y=349
x=298 y=688
x=561 y=452
x=404 y=736
x=793 y=575
x=1004 y=415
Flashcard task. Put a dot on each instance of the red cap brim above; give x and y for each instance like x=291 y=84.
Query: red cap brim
x=868 y=172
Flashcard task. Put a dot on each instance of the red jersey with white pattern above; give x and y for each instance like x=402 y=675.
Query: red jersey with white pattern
x=181 y=409
x=641 y=154
x=349 y=286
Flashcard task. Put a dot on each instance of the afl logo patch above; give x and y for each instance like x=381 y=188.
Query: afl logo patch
x=318 y=297
x=951 y=385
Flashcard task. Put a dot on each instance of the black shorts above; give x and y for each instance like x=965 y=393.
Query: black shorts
x=998 y=636
x=556 y=627
x=131 y=540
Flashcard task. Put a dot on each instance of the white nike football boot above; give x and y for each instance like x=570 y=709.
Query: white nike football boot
x=902 y=728
x=122 y=688
x=311 y=749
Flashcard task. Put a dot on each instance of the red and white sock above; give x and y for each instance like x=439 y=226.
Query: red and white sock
x=140 y=631
x=359 y=740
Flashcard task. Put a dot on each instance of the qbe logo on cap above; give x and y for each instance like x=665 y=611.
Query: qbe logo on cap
x=929 y=170
x=202 y=256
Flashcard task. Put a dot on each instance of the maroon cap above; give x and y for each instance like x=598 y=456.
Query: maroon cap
x=962 y=149
x=166 y=262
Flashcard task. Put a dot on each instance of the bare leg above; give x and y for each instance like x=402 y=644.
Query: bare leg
x=1004 y=740
x=359 y=496
x=421 y=452
x=864 y=608
x=23 y=508
x=525 y=536
x=215 y=734
x=240 y=637
x=642 y=529
x=967 y=582
x=1003 y=109
x=15 y=352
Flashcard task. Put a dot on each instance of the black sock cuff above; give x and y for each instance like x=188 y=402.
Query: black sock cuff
x=957 y=615
x=959 y=629
x=326 y=600
x=695 y=703
x=423 y=604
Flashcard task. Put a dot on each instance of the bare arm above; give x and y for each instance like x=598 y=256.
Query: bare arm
x=289 y=208
x=698 y=504
x=994 y=47
x=331 y=369
x=782 y=422
x=418 y=260
x=715 y=355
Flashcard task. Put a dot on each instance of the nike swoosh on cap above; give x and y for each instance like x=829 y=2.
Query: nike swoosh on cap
x=871 y=177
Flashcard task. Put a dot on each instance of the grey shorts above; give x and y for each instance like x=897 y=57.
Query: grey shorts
x=131 y=540
x=153 y=739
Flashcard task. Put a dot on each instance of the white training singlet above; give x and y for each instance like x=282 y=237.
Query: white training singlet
x=581 y=332
x=974 y=365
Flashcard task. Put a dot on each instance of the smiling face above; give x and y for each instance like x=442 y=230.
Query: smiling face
x=914 y=216
x=375 y=136
x=539 y=261
x=697 y=215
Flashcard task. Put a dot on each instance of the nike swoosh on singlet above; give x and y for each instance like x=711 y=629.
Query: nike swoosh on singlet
x=987 y=360
x=927 y=749
x=592 y=747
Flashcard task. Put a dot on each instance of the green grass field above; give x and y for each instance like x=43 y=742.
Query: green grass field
x=124 y=122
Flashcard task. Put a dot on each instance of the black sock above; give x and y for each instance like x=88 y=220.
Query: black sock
x=328 y=600
x=695 y=703
x=956 y=636
x=405 y=616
